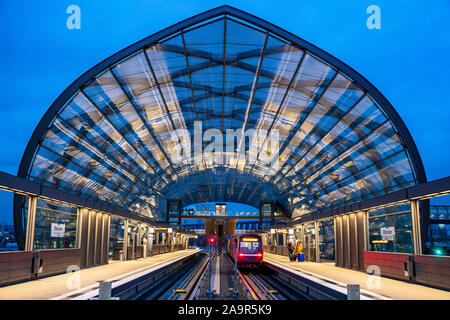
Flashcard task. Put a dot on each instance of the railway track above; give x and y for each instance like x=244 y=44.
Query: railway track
x=263 y=284
x=189 y=280
x=178 y=285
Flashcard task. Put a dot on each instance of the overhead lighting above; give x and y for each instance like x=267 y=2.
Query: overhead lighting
x=169 y=230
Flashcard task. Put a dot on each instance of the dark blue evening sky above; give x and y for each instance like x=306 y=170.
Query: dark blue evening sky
x=407 y=60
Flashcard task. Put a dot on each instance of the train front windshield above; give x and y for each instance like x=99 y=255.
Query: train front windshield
x=249 y=245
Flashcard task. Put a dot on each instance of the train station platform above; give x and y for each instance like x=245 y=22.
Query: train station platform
x=388 y=289
x=61 y=286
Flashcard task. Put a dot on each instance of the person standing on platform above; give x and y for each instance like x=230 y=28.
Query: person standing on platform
x=299 y=251
x=291 y=251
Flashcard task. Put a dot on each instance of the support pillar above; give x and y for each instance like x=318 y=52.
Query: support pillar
x=339 y=236
x=151 y=239
x=365 y=230
x=139 y=235
x=356 y=238
x=337 y=241
x=31 y=223
x=316 y=242
x=88 y=237
x=125 y=240
x=361 y=238
x=416 y=233
x=83 y=232
x=79 y=227
x=302 y=234
x=347 y=246
x=107 y=231
x=96 y=238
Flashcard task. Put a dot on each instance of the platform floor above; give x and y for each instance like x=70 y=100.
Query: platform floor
x=389 y=288
x=62 y=285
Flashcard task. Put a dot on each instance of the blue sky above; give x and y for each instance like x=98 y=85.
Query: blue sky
x=407 y=60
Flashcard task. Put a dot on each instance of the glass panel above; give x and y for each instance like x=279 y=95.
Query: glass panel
x=7 y=234
x=56 y=226
x=326 y=239
x=309 y=242
x=132 y=234
x=116 y=235
x=267 y=210
x=115 y=141
x=390 y=229
x=439 y=239
x=246 y=246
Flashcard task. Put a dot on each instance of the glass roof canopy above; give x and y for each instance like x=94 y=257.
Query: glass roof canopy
x=113 y=134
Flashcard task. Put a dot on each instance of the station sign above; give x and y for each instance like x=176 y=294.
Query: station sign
x=387 y=233
x=279 y=231
x=266 y=211
x=174 y=208
x=221 y=209
x=57 y=230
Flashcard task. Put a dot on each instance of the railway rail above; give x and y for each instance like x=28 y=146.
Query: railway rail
x=189 y=279
x=264 y=284
x=178 y=285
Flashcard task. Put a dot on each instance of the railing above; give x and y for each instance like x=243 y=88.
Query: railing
x=164 y=248
x=281 y=250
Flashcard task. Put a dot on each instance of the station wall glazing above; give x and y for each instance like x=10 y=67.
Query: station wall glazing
x=116 y=236
x=390 y=229
x=326 y=239
x=56 y=226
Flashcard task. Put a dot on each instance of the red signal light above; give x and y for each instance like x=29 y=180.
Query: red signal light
x=212 y=240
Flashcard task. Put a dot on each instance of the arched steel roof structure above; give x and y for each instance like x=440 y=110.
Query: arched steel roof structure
x=110 y=135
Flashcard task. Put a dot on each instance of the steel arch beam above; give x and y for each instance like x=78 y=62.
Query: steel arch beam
x=72 y=89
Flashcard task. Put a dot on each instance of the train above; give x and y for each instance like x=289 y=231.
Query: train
x=249 y=250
